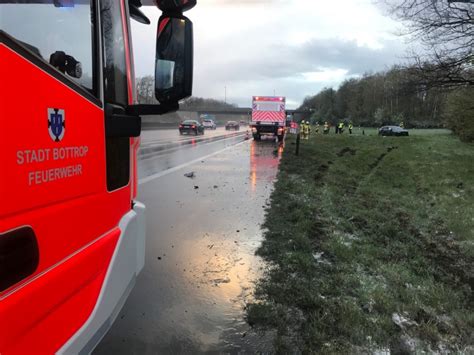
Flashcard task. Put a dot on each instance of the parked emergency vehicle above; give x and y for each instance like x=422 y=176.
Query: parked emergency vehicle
x=72 y=235
x=268 y=116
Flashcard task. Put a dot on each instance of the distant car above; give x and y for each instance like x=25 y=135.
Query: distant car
x=243 y=123
x=232 y=125
x=209 y=123
x=191 y=126
x=392 y=131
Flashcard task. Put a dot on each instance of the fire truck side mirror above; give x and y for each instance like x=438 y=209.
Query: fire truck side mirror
x=174 y=59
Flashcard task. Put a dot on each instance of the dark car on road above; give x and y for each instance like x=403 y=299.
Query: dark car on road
x=232 y=125
x=191 y=126
x=392 y=131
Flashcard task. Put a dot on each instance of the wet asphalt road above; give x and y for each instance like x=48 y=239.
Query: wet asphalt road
x=172 y=135
x=159 y=156
x=202 y=234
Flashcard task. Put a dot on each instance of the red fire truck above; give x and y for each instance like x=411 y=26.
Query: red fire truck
x=268 y=117
x=72 y=235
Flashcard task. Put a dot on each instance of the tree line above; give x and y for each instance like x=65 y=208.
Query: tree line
x=435 y=90
x=389 y=97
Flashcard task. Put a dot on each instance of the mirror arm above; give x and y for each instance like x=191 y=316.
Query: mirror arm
x=173 y=13
x=143 y=110
x=138 y=15
x=184 y=5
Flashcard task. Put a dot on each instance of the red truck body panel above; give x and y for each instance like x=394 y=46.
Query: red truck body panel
x=269 y=110
x=58 y=188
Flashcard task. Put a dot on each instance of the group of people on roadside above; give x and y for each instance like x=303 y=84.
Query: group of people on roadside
x=340 y=127
x=305 y=128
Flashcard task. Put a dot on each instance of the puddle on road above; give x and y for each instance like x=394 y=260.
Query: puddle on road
x=201 y=265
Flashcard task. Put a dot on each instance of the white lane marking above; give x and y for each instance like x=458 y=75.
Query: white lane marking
x=152 y=144
x=159 y=153
x=176 y=168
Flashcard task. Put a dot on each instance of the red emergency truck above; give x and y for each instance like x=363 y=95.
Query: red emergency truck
x=72 y=235
x=268 y=117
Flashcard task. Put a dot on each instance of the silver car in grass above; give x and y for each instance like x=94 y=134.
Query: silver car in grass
x=392 y=131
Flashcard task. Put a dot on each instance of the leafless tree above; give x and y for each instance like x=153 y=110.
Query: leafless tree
x=446 y=30
x=145 y=87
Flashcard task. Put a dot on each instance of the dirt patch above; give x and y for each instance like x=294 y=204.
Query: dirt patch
x=377 y=161
x=450 y=259
x=323 y=168
x=381 y=157
x=345 y=151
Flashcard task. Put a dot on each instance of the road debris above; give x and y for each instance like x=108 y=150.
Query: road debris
x=318 y=256
x=402 y=322
x=190 y=175
x=224 y=280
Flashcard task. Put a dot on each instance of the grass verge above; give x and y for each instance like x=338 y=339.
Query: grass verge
x=370 y=246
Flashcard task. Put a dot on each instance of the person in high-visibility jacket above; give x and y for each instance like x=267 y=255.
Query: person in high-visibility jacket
x=341 y=127
x=326 y=128
x=303 y=129
x=351 y=127
x=402 y=125
x=306 y=130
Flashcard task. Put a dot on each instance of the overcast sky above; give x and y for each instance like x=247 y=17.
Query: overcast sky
x=292 y=48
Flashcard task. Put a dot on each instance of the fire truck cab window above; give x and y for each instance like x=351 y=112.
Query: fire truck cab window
x=115 y=68
x=115 y=90
x=59 y=31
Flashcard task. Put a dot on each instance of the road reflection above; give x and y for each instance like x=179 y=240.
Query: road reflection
x=264 y=159
x=201 y=267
